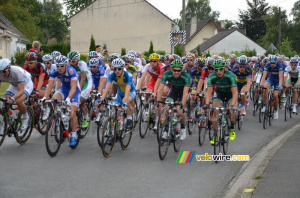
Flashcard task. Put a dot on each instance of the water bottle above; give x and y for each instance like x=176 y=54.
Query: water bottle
x=120 y=123
x=224 y=123
x=65 y=118
x=15 y=112
x=174 y=120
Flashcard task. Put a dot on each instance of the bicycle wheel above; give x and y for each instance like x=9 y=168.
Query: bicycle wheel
x=215 y=136
x=251 y=92
x=163 y=144
x=108 y=138
x=144 y=120
x=255 y=107
x=3 y=127
x=291 y=107
x=53 y=136
x=100 y=128
x=22 y=136
x=240 y=120
x=42 y=124
x=260 y=114
x=84 y=131
x=225 y=137
x=271 y=112
x=125 y=136
x=287 y=108
x=202 y=129
x=177 y=144
x=79 y=129
x=159 y=124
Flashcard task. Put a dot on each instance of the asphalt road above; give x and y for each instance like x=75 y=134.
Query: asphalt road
x=28 y=171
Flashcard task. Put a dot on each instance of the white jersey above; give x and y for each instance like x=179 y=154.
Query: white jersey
x=295 y=74
x=17 y=75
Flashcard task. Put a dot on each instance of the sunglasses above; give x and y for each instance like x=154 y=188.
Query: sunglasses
x=118 y=69
x=153 y=61
x=220 y=69
x=47 y=63
x=293 y=64
x=60 y=66
x=72 y=61
x=177 y=70
x=3 y=71
x=242 y=66
x=93 y=66
x=30 y=62
x=189 y=59
x=211 y=69
x=272 y=63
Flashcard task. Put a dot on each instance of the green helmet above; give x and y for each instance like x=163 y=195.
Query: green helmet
x=177 y=63
x=169 y=100
x=73 y=55
x=219 y=64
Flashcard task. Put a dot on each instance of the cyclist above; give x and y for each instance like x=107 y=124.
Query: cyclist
x=94 y=54
x=181 y=83
x=97 y=72
x=128 y=59
x=190 y=57
x=292 y=78
x=275 y=79
x=19 y=89
x=226 y=91
x=126 y=88
x=85 y=80
x=69 y=91
x=243 y=75
x=55 y=54
x=48 y=62
x=233 y=61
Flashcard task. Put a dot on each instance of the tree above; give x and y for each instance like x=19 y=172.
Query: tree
x=229 y=24
x=52 y=21
x=92 y=44
x=74 y=6
x=151 y=48
x=178 y=49
x=200 y=9
x=123 y=51
x=252 y=19
x=64 y=49
x=286 y=48
x=295 y=26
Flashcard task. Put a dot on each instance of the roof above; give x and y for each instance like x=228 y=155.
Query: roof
x=200 y=25
x=5 y=24
x=126 y=4
x=218 y=37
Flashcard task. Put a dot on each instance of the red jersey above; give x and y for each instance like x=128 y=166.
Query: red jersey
x=163 y=70
x=154 y=73
x=39 y=70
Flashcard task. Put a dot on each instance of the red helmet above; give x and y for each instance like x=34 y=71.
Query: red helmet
x=31 y=56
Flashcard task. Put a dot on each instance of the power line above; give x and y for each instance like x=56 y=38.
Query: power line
x=115 y=5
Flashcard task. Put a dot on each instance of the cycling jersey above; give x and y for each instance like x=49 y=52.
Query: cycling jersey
x=242 y=77
x=99 y=73
x=274 y=72
x=184 y=80
x=222 y=84
x=101 y=63
x=66 y=83
x=18 y=75
x=154 y=73
x=195 y=75
x=292 y=75
x=257 y=67
x=39 y=70
x=187 y=68
x=122 y=81
x=163 y=70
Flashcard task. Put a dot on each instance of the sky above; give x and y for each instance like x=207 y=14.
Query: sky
x=229 y=9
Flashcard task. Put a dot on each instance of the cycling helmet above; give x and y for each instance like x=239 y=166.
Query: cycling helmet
x=143 y=61
x=162 y=59
x=118 y=62
x=183 y=59
x=4 y=64
x=219 y=64
x=261 y=57
x=47 y=57
x=273 y=59
x=210 y=61
x=190 y=55
x=131 y=57
x=176 y=57
x=254 y=58
x=138 y=54
x=132 y=52
x=232 y=56
x=31 y=56
x=199 y=62
x=61 y=60
x=93 y=54
x=296 y=56
x=266 y=60
x=94 y=62
x=55 y=54
x=125 y=59
x=112 y=57
x=74 y=55
x=294 y=60
x=166 y=57
x=154 y=56
x=228 y=64
x=242 y=61
x=169 y=100
x=177 y=63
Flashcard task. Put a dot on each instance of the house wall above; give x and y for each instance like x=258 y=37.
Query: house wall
x=208 y=31
x=236 y=41
x=130 y=24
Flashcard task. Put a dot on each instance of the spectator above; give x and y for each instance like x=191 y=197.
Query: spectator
x=196 y=53
x=36 y=48
x=98 y=49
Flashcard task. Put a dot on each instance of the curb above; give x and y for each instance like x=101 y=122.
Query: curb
x=244 y=183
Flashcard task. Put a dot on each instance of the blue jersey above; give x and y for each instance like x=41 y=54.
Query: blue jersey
x=195 y=74
x=274 y=72
x=66 y=78
x=122 y=81
x=99 y=73
x=242 y=77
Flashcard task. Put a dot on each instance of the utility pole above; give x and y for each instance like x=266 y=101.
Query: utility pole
x=279 y=31
x=183 y=26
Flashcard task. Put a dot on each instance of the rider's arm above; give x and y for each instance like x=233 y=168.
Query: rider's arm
x=249 y=80
x=262 y=82
x=107 y=89
x=41 y=81
x=280 y=79
x=157 y=83
x=208 y=95
x=127 y=92
x=49 y=88
x=141 y=80
x=185 y=94
x=160 y=91
x=73 y=88
x=200 y=85
x=234 y=95
x=102 y=84
x=82 y=79
x=20 y=91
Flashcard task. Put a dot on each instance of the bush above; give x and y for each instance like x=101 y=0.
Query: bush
x=48 y=49
x=178 y=50
x=161 y=52
x=151 y=48
x=123 y=51
x=84 y=57
x=20 y=57
x=92 y=44
x=65 y=49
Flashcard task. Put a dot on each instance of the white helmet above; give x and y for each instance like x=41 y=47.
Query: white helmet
x=132 y=52
x=94 y=62
x=118 y=62
x=47 y=57
x=131 y=57
x=4 y=64
x=61 y=60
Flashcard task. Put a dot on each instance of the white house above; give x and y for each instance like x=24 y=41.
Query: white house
x=11 y=39
x=228 y=41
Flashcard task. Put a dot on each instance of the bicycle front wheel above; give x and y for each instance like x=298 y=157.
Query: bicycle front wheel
x=108 y=137
x=22 y=136
x=53 y=136
x=287 y=108
x=163 y=144
x=3 y=127
x=144 y=120
x=79 y=129
x=202 y=131
x=125 y=137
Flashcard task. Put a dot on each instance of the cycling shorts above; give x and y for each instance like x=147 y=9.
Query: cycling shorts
x=293 y=82
x=121 y=95
x=64 y=93
x=175 y=94
x=240 y=86
x=223 y=96
x=151 y=84
x=12 y=90
x=86 y=90
x=273 y=82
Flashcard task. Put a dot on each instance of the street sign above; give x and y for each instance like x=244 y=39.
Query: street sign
x=177 y=37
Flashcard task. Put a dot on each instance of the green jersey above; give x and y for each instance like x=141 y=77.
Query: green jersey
x=184 y=80
x=222 y=84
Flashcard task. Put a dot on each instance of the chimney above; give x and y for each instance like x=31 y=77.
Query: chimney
x=193 y=26
x=222 y=24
